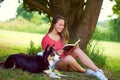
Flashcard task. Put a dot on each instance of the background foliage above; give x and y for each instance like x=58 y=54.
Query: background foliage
x=39 y=25
x=108 y=30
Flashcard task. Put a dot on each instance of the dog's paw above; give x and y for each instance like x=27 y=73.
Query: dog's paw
x=53 y=75
x=47 y=71
x=61 y=75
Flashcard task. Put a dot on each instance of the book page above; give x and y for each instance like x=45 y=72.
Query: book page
x=77 y=41
x=67 y=47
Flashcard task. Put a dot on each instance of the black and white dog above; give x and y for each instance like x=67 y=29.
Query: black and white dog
x=32 y=64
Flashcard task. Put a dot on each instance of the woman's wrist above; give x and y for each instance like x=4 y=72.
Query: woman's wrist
x=59 y=52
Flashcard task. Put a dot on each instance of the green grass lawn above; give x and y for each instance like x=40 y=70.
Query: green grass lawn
x=13 y=42
x=17 y=41
x=111 y=48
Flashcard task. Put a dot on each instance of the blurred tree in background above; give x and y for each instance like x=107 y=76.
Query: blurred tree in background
x=23 y=13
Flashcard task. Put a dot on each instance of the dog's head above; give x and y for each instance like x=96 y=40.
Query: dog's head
x=49 y=52
x=48 y=55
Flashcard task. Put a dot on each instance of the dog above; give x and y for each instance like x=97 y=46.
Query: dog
x=32 y=64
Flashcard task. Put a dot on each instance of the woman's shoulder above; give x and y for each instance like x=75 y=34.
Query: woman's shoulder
x=45 y=39
x=46 y=36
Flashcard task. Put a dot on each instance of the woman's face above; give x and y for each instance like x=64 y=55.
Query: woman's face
x=59 y=26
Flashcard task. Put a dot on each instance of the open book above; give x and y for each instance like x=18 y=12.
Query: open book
x=67 y=47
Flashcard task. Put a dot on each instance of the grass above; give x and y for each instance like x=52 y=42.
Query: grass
x=18 y=41
x=111 y=48
x=14 y=42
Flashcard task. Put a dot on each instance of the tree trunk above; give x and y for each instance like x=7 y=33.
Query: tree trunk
x=85 y=27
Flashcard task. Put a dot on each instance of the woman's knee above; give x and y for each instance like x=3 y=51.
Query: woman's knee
x=65 y=63
x=69 y=59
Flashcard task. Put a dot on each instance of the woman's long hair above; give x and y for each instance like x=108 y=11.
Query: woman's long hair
x=64 y=34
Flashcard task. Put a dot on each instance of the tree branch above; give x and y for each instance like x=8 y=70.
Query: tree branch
x=38 y=6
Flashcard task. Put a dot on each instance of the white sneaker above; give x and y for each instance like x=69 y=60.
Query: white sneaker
x=89 y=72
x=100 y=75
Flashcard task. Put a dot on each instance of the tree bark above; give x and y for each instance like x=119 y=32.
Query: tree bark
x=85 y=26
x=37 y=6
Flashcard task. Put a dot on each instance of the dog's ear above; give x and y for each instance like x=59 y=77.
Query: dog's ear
x=47 y=48
x=53 y=46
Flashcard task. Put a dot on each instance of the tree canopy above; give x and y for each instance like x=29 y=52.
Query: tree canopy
x=23 y=13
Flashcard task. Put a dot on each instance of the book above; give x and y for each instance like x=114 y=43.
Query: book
x=67 y=47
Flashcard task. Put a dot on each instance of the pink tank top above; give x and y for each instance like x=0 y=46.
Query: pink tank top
x=48 y=41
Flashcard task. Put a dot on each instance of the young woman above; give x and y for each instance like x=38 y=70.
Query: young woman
x=58 y=35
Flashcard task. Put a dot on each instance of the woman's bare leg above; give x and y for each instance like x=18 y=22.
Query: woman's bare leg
x=68 y=63
x=77 y=52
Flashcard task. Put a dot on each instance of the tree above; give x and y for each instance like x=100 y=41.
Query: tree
x=116 y=7
x=1 y=2
x=23 y=13
x=82 y=15
x=114 y=29
x=114 y=23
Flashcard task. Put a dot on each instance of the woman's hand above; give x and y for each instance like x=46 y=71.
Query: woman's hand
x=59 y=52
